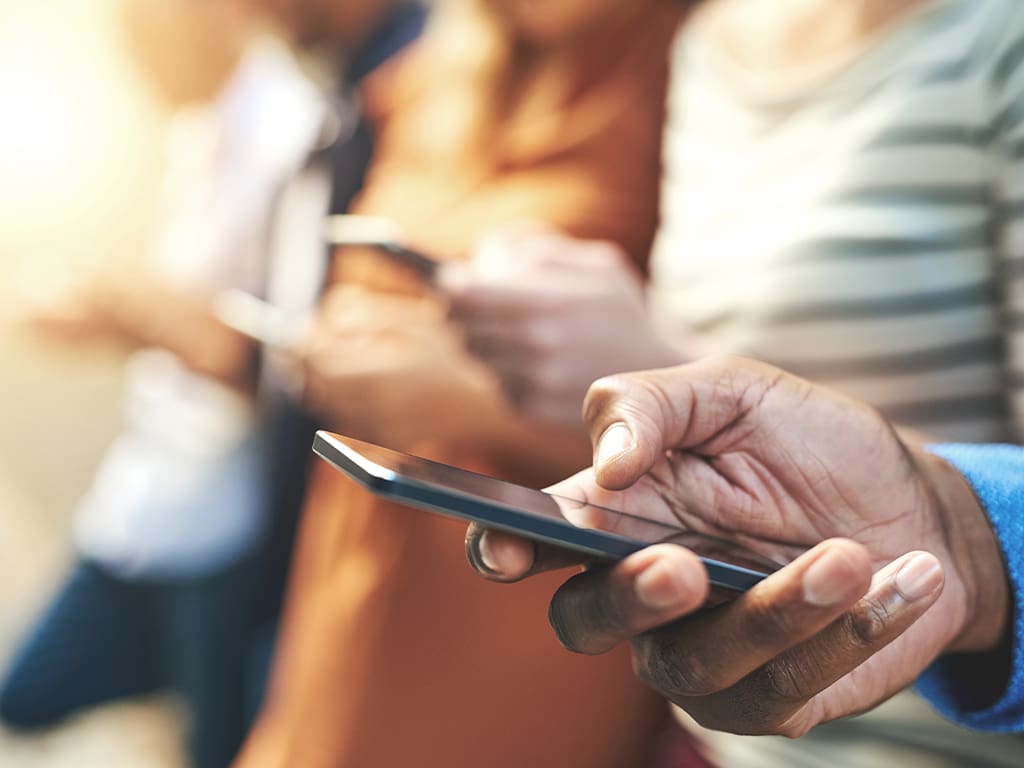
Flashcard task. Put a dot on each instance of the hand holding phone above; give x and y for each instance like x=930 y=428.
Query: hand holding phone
x=868 y=598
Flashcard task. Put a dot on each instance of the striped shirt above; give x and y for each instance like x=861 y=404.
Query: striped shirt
x=864 y=228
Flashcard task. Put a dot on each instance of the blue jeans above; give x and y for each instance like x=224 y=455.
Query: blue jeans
x=106 y=638
x=211 y=639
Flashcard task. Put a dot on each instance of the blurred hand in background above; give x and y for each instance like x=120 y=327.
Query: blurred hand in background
x=389 y=368
x=550 y=314
x=134 y=310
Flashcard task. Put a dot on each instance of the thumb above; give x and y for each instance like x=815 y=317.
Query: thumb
x=635 y=418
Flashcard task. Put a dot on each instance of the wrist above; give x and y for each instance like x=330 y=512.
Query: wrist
x=975 y=553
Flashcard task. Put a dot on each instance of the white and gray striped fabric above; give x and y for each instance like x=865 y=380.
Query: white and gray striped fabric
x=863 y=227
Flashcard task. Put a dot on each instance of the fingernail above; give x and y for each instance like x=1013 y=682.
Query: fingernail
x=919 y=578
x=660 y=586
x=483 y=548
x=615 y=440
x=824 y=584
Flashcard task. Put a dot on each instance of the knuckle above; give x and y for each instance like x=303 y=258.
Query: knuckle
x=867 y=623
x=633 y=397
x=785 y=681
x=661 y=663
x=604 y=393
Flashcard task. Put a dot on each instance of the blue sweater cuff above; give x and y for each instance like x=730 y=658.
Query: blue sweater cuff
x=953 y=683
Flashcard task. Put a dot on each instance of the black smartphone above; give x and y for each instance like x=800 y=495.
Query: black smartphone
x=383 y=235
x=602 y=534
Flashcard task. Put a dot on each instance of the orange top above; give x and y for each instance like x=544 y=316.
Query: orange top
x=393 y=652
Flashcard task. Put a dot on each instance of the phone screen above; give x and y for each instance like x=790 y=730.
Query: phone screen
x=458 y=492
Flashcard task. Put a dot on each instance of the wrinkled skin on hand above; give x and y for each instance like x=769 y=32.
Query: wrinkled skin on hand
x=898 y=548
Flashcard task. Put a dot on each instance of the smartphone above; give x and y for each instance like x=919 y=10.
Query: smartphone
x=381 y=234
x=600 y=533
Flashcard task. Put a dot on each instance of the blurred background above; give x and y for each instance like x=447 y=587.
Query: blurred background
x=82 y=127
x=92 y=95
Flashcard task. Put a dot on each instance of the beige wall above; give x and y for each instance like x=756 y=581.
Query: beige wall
x=79 y=160
x=80 y=157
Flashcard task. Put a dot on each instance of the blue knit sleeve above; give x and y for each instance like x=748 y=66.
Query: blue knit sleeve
x=955 y=683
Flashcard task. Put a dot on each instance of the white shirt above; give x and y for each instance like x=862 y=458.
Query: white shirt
x=178 y=494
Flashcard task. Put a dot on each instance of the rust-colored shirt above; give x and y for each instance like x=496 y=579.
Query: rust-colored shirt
x=394 y=653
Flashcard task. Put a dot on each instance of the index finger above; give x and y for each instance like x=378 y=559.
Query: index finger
x=634 y=418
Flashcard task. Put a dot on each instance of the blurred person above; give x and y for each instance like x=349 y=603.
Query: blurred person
x=913 y=567
x=184 y=537
x=391 y=652
x=842 y=198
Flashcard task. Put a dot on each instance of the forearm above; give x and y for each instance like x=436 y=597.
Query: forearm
x=219 y=353
x=163 y=317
